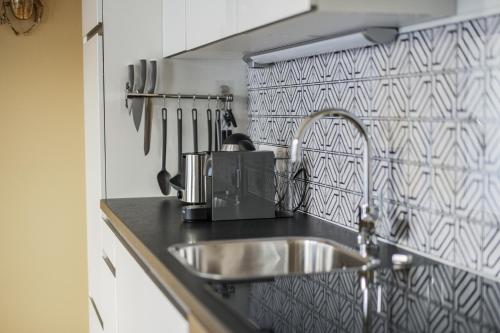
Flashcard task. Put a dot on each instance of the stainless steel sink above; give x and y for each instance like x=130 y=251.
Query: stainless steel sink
x=245 y=259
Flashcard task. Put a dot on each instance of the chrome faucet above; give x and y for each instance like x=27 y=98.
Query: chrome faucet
x=368 y=210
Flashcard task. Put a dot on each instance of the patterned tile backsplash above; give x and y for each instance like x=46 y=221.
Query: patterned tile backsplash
x=431 y=102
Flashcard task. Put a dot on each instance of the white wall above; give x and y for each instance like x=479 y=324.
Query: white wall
x=128 y=172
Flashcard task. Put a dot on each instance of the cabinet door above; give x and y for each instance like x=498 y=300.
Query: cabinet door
x=141 y=306
x=91 y=14
x=174 y=26
x=107 y=281
x=93 y=113
x=255 y=13
x=95 y=321
x=208 y=21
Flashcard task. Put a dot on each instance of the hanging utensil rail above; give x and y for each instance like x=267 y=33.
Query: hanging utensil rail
x=222 y=98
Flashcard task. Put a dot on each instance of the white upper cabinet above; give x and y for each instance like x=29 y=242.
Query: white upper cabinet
x=91 y=14
x=208 y=21
x=174 y=26
x=256 y=13
x=234 y=28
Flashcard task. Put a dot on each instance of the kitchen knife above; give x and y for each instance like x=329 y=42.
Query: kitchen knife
x=138 y=103
x=130 y=85
x=148 y=113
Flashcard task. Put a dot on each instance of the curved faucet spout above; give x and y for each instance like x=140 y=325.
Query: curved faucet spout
x=296 y=147
x=368 y=211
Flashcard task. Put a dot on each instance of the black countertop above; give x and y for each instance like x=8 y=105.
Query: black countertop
x=428 y=297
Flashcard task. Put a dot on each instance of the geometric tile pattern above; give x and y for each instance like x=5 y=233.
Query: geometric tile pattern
x=431 y=298
x=431 y=102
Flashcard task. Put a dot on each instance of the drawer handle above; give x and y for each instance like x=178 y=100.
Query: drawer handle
x=97 y=312
x=109 y=264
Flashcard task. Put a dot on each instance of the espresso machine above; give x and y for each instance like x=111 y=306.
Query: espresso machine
x=229 y=185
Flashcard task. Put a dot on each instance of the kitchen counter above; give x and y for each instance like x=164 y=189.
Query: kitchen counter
x=427 y=297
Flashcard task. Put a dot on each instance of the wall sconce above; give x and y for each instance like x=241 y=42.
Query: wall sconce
x=19 y=11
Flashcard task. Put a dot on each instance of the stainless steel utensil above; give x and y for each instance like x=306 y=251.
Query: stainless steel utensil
x=194 y=178
x=138 y=103
x=209 y=127
x=218 y=131
x=148 y=113
x=194 y=113
x=164 y=176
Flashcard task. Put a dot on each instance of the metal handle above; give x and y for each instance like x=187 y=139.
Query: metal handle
x=109 y=264
x=164 y=137
x=209 y=126
x=152 y=77
x=143 y=75
x=179 y=140
x=195 y=129
x=129 y=86
x=218 y=131
x=94 y=306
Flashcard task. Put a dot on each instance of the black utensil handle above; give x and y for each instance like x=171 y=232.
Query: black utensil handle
x=152 y=76
x=219 y=130
x=302 y=171
x=216 y=135
x=164 y=138
x=143 y=73
x=179 y=140
x=195 y=130
x=209 y=126
x=231 y=118
x=131 y=82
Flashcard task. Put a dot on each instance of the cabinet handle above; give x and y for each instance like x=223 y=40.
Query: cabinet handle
x=109 y=264
x=97 y=312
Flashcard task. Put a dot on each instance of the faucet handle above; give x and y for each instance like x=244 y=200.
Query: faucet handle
x=367 y=238
x=369 y=214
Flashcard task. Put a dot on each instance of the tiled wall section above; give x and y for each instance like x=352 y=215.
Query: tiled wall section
x=431 y=101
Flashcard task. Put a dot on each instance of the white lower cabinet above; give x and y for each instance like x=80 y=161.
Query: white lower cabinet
x=141 y=306
x=95 y=322
x=127 y=300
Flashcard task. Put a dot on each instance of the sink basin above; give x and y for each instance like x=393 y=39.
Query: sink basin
x=246 y=259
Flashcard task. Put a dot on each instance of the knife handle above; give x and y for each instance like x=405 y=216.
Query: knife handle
x=130 y=83
x=152 y=77
x=143 y=74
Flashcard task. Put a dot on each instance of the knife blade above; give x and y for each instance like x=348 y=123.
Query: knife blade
x=148 y=113
x=138 y=103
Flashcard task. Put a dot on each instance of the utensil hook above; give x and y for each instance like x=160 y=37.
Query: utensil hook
x=194 y=101
x=164 y=101
x=208 y=104
x=178 y=101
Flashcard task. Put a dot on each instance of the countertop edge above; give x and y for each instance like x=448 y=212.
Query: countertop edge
x=160 y=273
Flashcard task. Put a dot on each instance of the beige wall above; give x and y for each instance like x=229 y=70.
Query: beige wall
x=42 y=230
